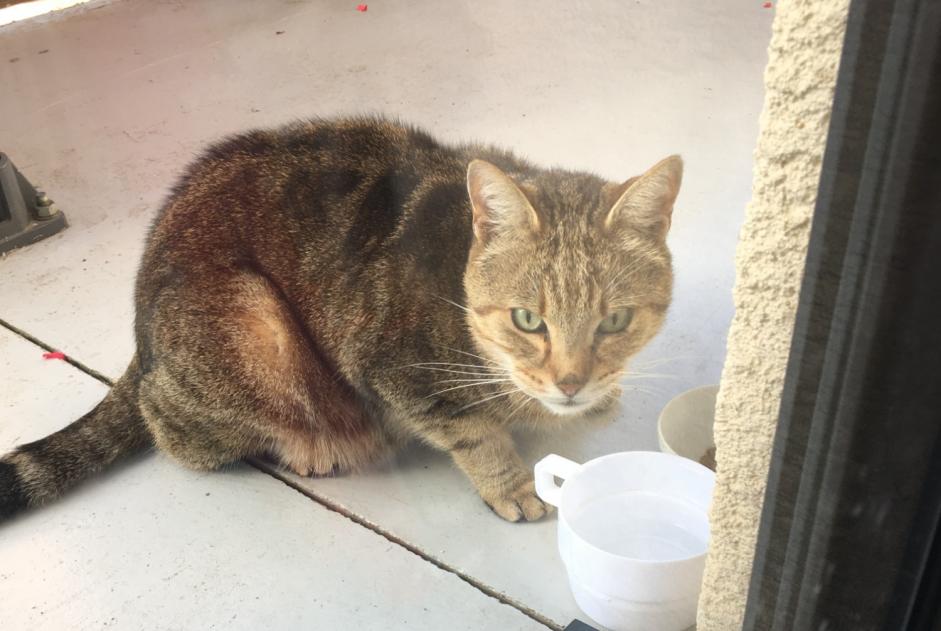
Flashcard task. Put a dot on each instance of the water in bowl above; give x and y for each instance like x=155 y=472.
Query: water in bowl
x=643 y=526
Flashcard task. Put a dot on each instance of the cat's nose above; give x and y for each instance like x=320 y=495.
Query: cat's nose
x=570 y=385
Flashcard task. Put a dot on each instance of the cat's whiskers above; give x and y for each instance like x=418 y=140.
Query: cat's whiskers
x=631 y=374
x=451 y=302
x=633 y=387
x=466 y=385
x=448 y=348
x=450 y=370
x=609 y=396
x=625 y=377
x=650 y=363
x=461 y=366
x=518 y=408
x=479 y=380
x=489 y=398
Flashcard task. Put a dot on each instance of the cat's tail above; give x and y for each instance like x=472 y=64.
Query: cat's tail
x=38 y=472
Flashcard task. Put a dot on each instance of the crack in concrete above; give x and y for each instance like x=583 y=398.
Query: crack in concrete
x=88 y=370
x=332 y=506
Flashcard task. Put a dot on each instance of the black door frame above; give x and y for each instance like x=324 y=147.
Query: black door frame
x=849 y=533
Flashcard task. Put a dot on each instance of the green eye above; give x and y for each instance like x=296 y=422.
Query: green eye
x=527 y=321
x=616 y=322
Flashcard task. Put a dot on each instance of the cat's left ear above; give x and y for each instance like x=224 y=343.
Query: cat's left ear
x=499 y=206
x=645 y=203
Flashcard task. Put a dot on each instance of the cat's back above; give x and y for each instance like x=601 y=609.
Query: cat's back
x=363 y=176
x=325 y=196
x=340 y=172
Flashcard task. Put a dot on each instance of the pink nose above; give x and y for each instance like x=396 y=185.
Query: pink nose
x=570 y=385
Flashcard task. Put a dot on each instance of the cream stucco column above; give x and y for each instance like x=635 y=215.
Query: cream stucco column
x=799 y=83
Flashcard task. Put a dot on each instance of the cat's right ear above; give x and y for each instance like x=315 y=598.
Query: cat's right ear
x=498 y=204
x=645 y=202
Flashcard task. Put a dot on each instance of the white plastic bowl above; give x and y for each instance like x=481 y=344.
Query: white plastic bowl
x=685 y=424
x=633 y=532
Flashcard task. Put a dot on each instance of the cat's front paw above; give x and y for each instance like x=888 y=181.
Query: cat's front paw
x=520 y=504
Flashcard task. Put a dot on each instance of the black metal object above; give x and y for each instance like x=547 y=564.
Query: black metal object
x=26 y=215
x=849 y=535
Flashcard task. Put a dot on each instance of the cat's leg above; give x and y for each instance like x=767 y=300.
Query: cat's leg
x=327 y=454
x=230 y=374
x=197 y=435
x=487 y=456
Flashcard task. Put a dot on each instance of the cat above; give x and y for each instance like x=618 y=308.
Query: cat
x=325 y=292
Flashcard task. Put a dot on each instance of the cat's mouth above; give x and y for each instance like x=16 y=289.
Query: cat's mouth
x=561 y=406
x=567 y=407
x=581 y=404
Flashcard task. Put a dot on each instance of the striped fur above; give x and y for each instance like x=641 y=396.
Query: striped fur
x=38 y=472
x=316 y=294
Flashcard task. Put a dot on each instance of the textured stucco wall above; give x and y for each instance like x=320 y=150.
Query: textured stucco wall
x=799 y=81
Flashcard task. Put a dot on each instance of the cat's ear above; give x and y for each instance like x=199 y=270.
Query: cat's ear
x=646 y=202
x=498 y=204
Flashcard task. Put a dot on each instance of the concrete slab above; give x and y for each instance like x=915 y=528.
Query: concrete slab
x=127 y=93
x=152 y=545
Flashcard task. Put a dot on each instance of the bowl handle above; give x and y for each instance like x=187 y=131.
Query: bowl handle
x=549 y=468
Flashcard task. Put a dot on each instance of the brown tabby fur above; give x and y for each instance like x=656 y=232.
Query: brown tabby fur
x=324 y=292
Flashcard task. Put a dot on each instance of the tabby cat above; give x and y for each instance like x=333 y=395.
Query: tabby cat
x=323 y=293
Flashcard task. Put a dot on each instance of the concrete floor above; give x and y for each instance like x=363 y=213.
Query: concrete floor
x=105 y=103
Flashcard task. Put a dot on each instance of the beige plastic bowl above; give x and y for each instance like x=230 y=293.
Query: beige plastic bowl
x=685 y=424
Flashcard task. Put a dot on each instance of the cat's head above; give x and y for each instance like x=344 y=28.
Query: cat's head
x=568 y=277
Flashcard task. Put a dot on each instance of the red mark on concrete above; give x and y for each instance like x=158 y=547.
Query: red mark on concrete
x=53 y=355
